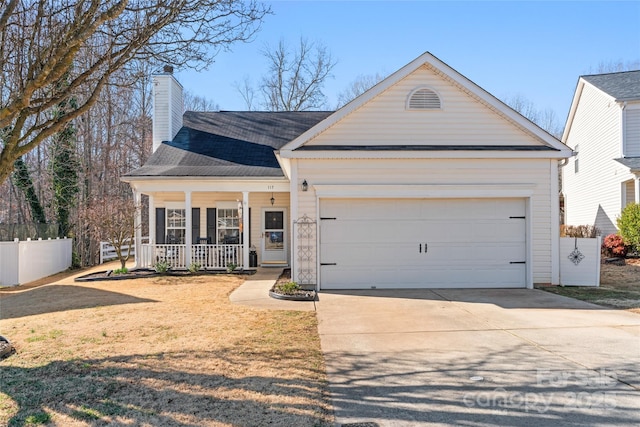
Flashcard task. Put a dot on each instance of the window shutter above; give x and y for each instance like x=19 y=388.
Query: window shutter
x=195 y=225
x=211 y=225
x=160 y=226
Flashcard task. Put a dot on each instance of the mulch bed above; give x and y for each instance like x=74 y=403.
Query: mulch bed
x=144 y=272
x=294 y=295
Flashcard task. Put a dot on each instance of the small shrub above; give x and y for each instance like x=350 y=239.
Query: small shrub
x=629 y=225
x=123 y=270
x=231 y=267
x=613 y=246
x=161 y=267
x=288 y=288
x=38 y=418
x=194 y=267
x=580 y=231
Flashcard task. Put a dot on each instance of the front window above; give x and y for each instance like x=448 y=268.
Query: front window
x=176 y=226
x=228 y=227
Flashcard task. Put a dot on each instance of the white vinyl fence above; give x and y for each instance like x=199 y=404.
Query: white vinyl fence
x=26 y=261
x=108 y=252
x=580 y=261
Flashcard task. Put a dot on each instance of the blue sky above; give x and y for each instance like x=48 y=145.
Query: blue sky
x=534 y=49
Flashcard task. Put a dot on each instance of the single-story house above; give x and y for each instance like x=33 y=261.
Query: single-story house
x=425 y=180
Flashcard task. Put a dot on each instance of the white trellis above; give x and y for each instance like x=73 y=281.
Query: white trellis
x=305 y=257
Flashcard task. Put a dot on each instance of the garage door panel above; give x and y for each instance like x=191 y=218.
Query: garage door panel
x=422 y=243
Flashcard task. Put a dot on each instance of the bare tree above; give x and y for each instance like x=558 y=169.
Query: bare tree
x=357 y=87
x=193 y=102
x=620 y=65
x=248 y=93
x=546 y=119
x=295 y=78
x=87 y=41
x=113 y=219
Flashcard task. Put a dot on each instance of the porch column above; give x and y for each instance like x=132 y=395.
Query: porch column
x=137 y=200
x=245 y=230
x=189 y=227
x=637 y=189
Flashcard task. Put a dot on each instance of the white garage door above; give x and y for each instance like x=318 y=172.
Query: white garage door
x=422 y=243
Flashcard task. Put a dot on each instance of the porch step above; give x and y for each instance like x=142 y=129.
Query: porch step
x=274 y=264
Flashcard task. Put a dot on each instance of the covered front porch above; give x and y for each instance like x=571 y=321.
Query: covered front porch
x=213 y=225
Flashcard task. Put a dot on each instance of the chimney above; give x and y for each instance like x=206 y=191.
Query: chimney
x=167 y=106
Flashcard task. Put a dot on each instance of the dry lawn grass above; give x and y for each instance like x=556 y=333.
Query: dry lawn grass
x=160 y=351
x=619 y=287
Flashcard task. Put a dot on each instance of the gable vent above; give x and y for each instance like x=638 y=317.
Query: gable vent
x=424 y=99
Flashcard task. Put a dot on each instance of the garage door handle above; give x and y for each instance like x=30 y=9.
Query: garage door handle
x=420 y=248
x=426 y=248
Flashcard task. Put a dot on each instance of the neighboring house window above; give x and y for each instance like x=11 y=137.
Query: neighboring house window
x=576 y=161
x=228 y=225
x=424 y=99
x=176 y=225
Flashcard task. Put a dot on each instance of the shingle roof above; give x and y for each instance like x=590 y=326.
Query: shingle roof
x=622 y=86
x=632 y=163
x=229 y=143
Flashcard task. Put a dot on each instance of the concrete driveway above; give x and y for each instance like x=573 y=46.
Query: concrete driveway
x=478 y=357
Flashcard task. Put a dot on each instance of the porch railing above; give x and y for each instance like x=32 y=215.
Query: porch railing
x=206 y=256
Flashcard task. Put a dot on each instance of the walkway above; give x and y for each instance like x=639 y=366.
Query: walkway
x=254 y=292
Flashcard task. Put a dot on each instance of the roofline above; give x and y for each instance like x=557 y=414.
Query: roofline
x=440 y=154
x=132 y=178
x=574 y=104
x=426 y=58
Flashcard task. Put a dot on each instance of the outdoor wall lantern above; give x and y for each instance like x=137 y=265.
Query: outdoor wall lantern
x=305 y=185
x=272 y=199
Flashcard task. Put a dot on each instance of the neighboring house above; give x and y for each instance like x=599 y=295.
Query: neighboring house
x=425 y=180
x=603 y=129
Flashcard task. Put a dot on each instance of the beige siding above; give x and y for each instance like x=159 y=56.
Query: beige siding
x=463 y=119
x=632 y=131
x=594 y=193
x=445 y=171
x=257 y=201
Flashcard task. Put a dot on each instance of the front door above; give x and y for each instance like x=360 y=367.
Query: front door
x=274 y=237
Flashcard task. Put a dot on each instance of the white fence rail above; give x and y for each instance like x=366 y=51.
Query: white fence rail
x=108 y=252
x=206 y=256
x=580 y=261
x=26 y=261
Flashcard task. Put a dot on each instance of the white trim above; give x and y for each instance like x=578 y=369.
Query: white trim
x=204 y=185
x=231 y=204
x=245 y=229
x=293 y=209
x=174 y=205
x=137 y=199
x=188 y=238
x=445 y=191
x=529 y=243
x=440 y=154
x=285 y=238
x=555 y=222
x=466 y=84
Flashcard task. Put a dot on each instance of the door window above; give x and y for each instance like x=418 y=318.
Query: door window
x=274 y=230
